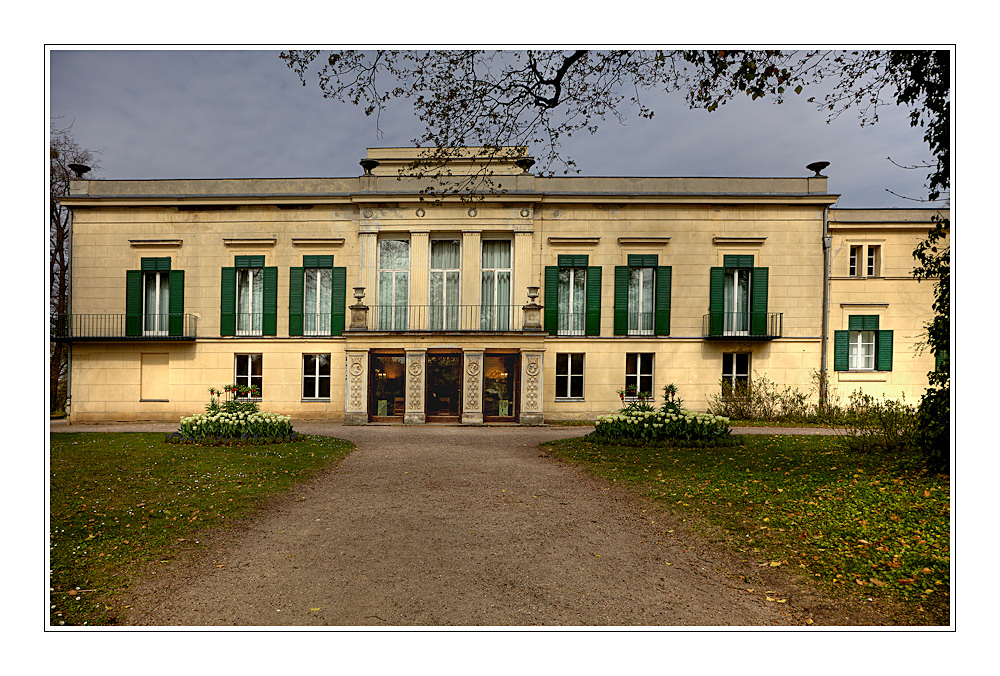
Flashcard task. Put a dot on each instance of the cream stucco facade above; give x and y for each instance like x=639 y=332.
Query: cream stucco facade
x=537 y=303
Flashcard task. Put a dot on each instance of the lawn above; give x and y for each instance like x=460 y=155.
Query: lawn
x=121 y=501
x=857 y=524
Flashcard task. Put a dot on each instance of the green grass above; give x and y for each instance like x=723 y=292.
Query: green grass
x=119 y=502
x=856 y=524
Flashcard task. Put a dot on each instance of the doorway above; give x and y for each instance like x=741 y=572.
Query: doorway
x=388 y=387
x=444 y=387
x=500 y=386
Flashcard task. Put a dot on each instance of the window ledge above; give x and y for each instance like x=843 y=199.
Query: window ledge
x=862 y=376
x=315 y=401
x=558 y=399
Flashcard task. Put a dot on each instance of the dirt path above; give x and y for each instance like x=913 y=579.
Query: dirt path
x=449 y=526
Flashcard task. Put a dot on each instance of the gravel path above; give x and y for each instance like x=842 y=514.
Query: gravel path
x=445 y=526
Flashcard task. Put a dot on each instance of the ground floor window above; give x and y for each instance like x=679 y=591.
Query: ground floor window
x=569 y=376
x=735 y=374
x=249 y=373
x=388 y=385
x=639 y=374
x=315 y=376
x=500 y=384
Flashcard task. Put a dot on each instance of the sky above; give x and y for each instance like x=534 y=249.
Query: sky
x=225 y=113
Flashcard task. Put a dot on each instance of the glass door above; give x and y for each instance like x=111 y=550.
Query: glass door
x=444 y=386
x=387 y=387
x=500 y=387
x=737 y=302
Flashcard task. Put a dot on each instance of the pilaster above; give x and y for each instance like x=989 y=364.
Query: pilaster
x=416 y=363
x=356 y=401
x=531 y=388
x=472 y=383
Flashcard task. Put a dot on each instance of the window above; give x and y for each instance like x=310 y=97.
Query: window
x=249 y=373
x=735 y=374
x=495 y=286
x=642 y=297
x=573 y=297
x=155 y=303
x=446 y=284
x=738 y=300
x=316 y=376
x=249 y=301
x=863 y=346
x=249 y=298
x=861 y=351
x=317 y=295
x=569 y=376
x=393 y=284
x=639 y=374
x=864 y=261
x=154 y=299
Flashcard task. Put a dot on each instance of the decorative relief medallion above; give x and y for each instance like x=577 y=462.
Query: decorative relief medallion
x=421 y=213
x=356 y=370
x=368 y=213
x=531 y=368
x=473 y=367
x=525 y=213
x=473 y=212
x=415 y=367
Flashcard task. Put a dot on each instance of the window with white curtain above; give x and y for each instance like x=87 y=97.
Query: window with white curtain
x=393 y=284
x=249 y=301
x=572 y=301
x=446 y=284
x=318 y=292
x=155 y=303
x=495 y=268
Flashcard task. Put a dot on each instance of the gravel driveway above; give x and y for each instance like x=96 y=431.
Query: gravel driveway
x=445 y=526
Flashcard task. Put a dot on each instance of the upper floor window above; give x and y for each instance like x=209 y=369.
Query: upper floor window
x=316 y=300
x=155 y=303
x=495 y=308
x=249 y=298
x=445 y=284
x=738 y=299
x=316 y=297
x=864 y=260
x=572 y=297
x=642 y=297
x=863 y=346
x=154 y=299
x=249 y=301
x=393 y=284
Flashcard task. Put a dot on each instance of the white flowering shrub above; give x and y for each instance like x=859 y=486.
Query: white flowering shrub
x=640 y=422
x=222 y=427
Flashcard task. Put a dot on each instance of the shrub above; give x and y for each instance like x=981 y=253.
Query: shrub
x=638 y=422
x=765 y=400
x=878 y=426
x=233 y=421
x=933 y=436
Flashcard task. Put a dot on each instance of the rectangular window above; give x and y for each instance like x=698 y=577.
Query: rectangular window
x=249 y=374
x=393 y=284
x=445 y=284
x=854 y=264
x=861 y=351
x=639 y=374
x=569 y=376
x=316 y=376
x=495 y=311
x=155 y=303
x=640 y=301
x=249 y=301
x=735 y=374
x=572 y=301
x=872 y=267
x=317 y=295
x=736 y=304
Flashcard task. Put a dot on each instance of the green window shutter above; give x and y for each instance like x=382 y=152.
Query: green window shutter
x=338 y=301
x=642 y=260
x=296 y=281
x=158 y=264
x=621 y=300
x=270 y=324
x=317 y=261
x=133 y=302
x=249 y=261
x=883 y=351
x=176 y=303
x=551 y=298
x=758 y=301
x=662 y=300
x=716 y=300
x=737 y=261
x=841 y=339
x=227 y=318
x=593 y=325
x=862 y=322
x=573 y=260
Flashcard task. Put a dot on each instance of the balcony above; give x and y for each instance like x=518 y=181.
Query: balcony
x=742 y=325
x=79 y=327
x=444 y=318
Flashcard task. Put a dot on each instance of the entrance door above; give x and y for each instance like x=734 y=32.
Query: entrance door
x=387 y=387
x=500 y=386
x=444 y=386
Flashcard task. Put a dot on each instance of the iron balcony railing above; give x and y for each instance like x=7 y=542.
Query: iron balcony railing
x=124 y=327
x=571 y=323
x=445 y=318
x=641 y=323
x=742 y=325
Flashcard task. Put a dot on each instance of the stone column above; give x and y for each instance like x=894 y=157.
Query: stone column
x=416 y=367
x=531 y=388
x=472 y=388
x=356 y=390
x=471 y=279
x=420 y=263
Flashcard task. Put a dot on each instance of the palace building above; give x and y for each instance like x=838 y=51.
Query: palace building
x=362 y=300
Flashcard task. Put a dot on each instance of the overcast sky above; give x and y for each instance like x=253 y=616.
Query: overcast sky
x=222 y=114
